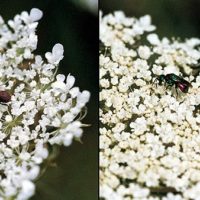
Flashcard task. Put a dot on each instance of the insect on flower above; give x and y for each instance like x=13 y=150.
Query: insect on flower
x=173 y=80
x=5 y=97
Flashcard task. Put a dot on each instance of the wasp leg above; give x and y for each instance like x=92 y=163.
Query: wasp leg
x=168 y=86
x=155 y=82
x=177 y=94
x=5 y=104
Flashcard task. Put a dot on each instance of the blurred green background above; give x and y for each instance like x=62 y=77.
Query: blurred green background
x=173 y=18
x=65 y=22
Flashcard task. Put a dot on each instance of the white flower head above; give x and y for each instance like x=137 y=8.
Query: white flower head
x=149 y=126
x=39 y=107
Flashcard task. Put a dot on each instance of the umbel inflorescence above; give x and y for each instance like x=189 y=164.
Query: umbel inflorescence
x=149 y=136
x=45 y=108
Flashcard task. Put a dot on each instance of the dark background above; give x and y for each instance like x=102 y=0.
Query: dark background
x=173 y=18
x=76 y=174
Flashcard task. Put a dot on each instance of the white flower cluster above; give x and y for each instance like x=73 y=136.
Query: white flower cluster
x=44 y=109
x=149 y=136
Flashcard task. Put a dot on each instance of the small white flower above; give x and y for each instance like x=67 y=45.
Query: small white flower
x=8 y=118
x=153 y=39
x=145 y=22
x=70 y=81
x=28 y=189
x=24 y=156
x=74 y=92
x=35 y=14
x=67 y=139
x=144 y=52
x=56 y=55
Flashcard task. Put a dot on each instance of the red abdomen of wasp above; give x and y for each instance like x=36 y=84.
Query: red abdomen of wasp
x=183 y=87
x=5 y=97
